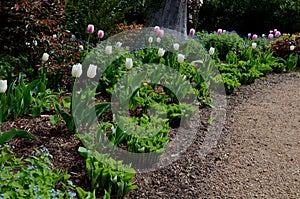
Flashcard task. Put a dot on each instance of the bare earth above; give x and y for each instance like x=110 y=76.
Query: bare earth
x=258 y=155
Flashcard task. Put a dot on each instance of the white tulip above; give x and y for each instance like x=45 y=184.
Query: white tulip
x=45 y=57
x=3 y=86
x=54 y=36
x=108 y=50
x=180 y=58
x=292 y=47
x=176 y=46
x=211 y=51
x=81 y=47
x=254 y=45
x=119 y=44
x=158 y=40
x=77 y=70
x=91 y=72
x=161 y=52
x=128 y=63
x=150 y=40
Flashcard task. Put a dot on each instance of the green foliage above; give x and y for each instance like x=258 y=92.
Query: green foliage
x=32 y=177
x=108 y=177
x=7 y=136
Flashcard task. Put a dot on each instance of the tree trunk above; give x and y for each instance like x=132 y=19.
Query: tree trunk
x=172 y=15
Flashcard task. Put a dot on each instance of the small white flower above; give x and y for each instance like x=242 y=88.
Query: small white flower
x=128 y=63
x=73 y=37
x=292 y=47
x=254 y=45
x=54 y=36
x=263 y=35
x=150 y=40
x=27 y=44
x=35 y=42
x=81 y=47
x=108 y=50
x=211 y=51
x=119 y=44
x=3 y=86
x=77 y=70
x=158 y=40
x=45 y=57
x=91 y=72
x=176 y=46
x=180 y=58
x=161 y=52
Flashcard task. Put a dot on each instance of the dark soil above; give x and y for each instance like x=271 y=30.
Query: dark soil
x=257 y=155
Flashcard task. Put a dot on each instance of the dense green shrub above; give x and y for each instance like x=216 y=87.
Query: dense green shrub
x=250 y=15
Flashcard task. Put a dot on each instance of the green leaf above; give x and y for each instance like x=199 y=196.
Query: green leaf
x=13 y=133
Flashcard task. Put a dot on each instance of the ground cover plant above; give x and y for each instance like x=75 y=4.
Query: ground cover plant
x=39 y=82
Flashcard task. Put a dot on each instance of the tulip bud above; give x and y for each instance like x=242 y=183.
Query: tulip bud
x=54 y=36
x=220 y=31
x=90 y=28
x=100 y=34
x=77 y=70
x=156 y=29
x=3 y=86
x=254 y=37
x=128 y=63
x=180 y=58
x=270 y=36
x=91 y=72
x=176 y=46
x=45 y=57
x=81 y=47
x=263 y=35
x=254 y=45
x=211 y=51
x=249 y=35
x=292 y=47
x=108 y=50
x=150 y=40
x=224 y=31
x=192 y=32
x=119 y=44
x=277 y=34
x=161 y=52
x=158 y=40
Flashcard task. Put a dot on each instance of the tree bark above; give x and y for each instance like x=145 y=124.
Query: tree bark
x=172 y=15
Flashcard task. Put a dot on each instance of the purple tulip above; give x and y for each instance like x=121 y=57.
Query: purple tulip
x=277 y=34
x=90 y=28
x=192 y=32
x=270 y=36
x=254 y=37
x=220 y=31
x=100 y=34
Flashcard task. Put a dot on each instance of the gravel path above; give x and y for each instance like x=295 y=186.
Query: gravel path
x=258 y=155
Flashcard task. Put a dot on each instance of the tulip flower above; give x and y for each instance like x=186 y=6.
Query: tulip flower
x=211 y=51
x=176 y=46
x=150 y=40
x=108 y=50
x=3 y=86
x=100 y=34
x=224 y=31
x=292 y=47
x=156 y=29
x=270 y=36
x=77 y=70
x=249 y=35
x=161 y=52
x=192 y=32
x=45 y=57
x=92 y=70
x=54 y=36
x=277 y=34
x=158 y=40
x=90 y=28
x=254 y=45
x=81 y=47
x=254 y=37
x=220 y=31
x=263 y=35
x=119 y=44
x=161 y=33
x=128 y=63
x=180 y=58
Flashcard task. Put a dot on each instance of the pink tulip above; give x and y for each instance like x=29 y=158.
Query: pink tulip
x=249 y=35
x=161 y=33
x=254 y=37
x=270 y=36
x=275 y=30
x=277 y=34
x=90 y=28
x=100 y=34
x=156 y=29
x=220 y=31
x=192 y=32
